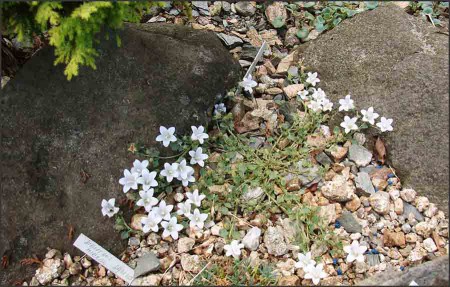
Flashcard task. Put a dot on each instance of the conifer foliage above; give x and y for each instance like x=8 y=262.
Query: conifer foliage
x=71 y=27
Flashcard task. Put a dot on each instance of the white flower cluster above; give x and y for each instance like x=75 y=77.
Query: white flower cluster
x=355 y=251
x=139 y=175
x=317 y=101
x=312 y=271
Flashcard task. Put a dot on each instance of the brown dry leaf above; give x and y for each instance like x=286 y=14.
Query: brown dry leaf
x=380 y=150
x=5 y=261
x=71 y=232
x=30 y=261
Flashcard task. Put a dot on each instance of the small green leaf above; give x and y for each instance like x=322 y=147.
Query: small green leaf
x=336 y=21
x=427 y=11
x=278 y=22
x=309 y=4
x=223 y=233
x=124 y=234
x=370 y=5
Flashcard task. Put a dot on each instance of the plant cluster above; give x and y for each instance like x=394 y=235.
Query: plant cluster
x=431 y=10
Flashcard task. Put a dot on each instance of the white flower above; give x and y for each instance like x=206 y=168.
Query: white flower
x=220 y=109
x=151 y=222
x=183 y=170
x=318 y=94
x=163 y=210
x=325 y=130
x=129 y=180
x=198 y=157
x=233 y=249
x=166 y=135
x=303 y=94
x=315 y=273
x=171 y=228
x=248 y=84
x=304 y=260
x=170 y=171
x=108 y=207
x=197 y=219
x=369 y=115
x=195 y=198
x=346 y=104
x=349 y=124
x=385 y=124
x=355 y=252
x=413 y=283
x=189 y=178
x=147 y=200
x=184 y=209
x=312 y=78
x=198 y=134
x=147 y=179
x=315 y=106
x=327 y=105
x=139 y=167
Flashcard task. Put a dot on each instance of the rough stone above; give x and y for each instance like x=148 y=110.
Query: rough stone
x=349 y=223
x=392 y=239
x=389 y=72
x=380 y=202
x=291 y=280
x=364 y=184
x=64 y=143
x=339 y=189
x=359 y=154
x=229 y=40
x=245 y=8
x=424 y=229
x=191 y=263
x=408 y=194
x=276 y=12
x=251 y=239
x=429 y=245
x=274 y=241
x=185 y=244
x=409 y=209
x=146 y=264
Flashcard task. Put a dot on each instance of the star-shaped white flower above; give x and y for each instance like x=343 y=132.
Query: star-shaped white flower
x=304 y=260
x=248 y=84
x=303 y=94
x=163 y=210
x=166 y=135
x=233 y=249
x=151 y=222
x=189 y=178
x=198 y=157
x=315 y=273
x=198 y=134
x=355 y=252
x=184 y=209
x=170 y=171
x=147 y=200
x=197 y=219
x=195 y=198
x=220 y=109
x=183 y=170
x=312 y=78
x=171 y=228
x=318 y=94
x=147 y=179
x=129 y=180
x=315 y=106
x=139 y=167
x=327 y=105
x=108 y=208
x=346 y=104
x=369 y=115
x=385 y=125
x=349 y=124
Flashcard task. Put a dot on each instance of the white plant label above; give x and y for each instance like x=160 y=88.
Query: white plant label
x=105 y=258
x=256 y=60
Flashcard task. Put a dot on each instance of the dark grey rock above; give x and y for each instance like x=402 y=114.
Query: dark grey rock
x=323 y=159
x=245 y=8
x=359 y=154
x=146 y=264
x=202 y=7
x=350 y=224
x=249 y=52
x=364 y=185
x=54 y=132
x=256 y=142
x=230 y=41
x=398 y=64
x=432 y=273
x=408 y=208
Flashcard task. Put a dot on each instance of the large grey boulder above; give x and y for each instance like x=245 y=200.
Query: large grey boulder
x=398 y=64
x=431 y=273
x=55 y=132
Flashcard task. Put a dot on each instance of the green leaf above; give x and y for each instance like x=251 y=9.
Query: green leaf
x=336 y=21
x=436 y=21
x=223 y=233
x=370 y=5
x=309 y=4
x=427 y=11
x=124 y=234
x=278 y=22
